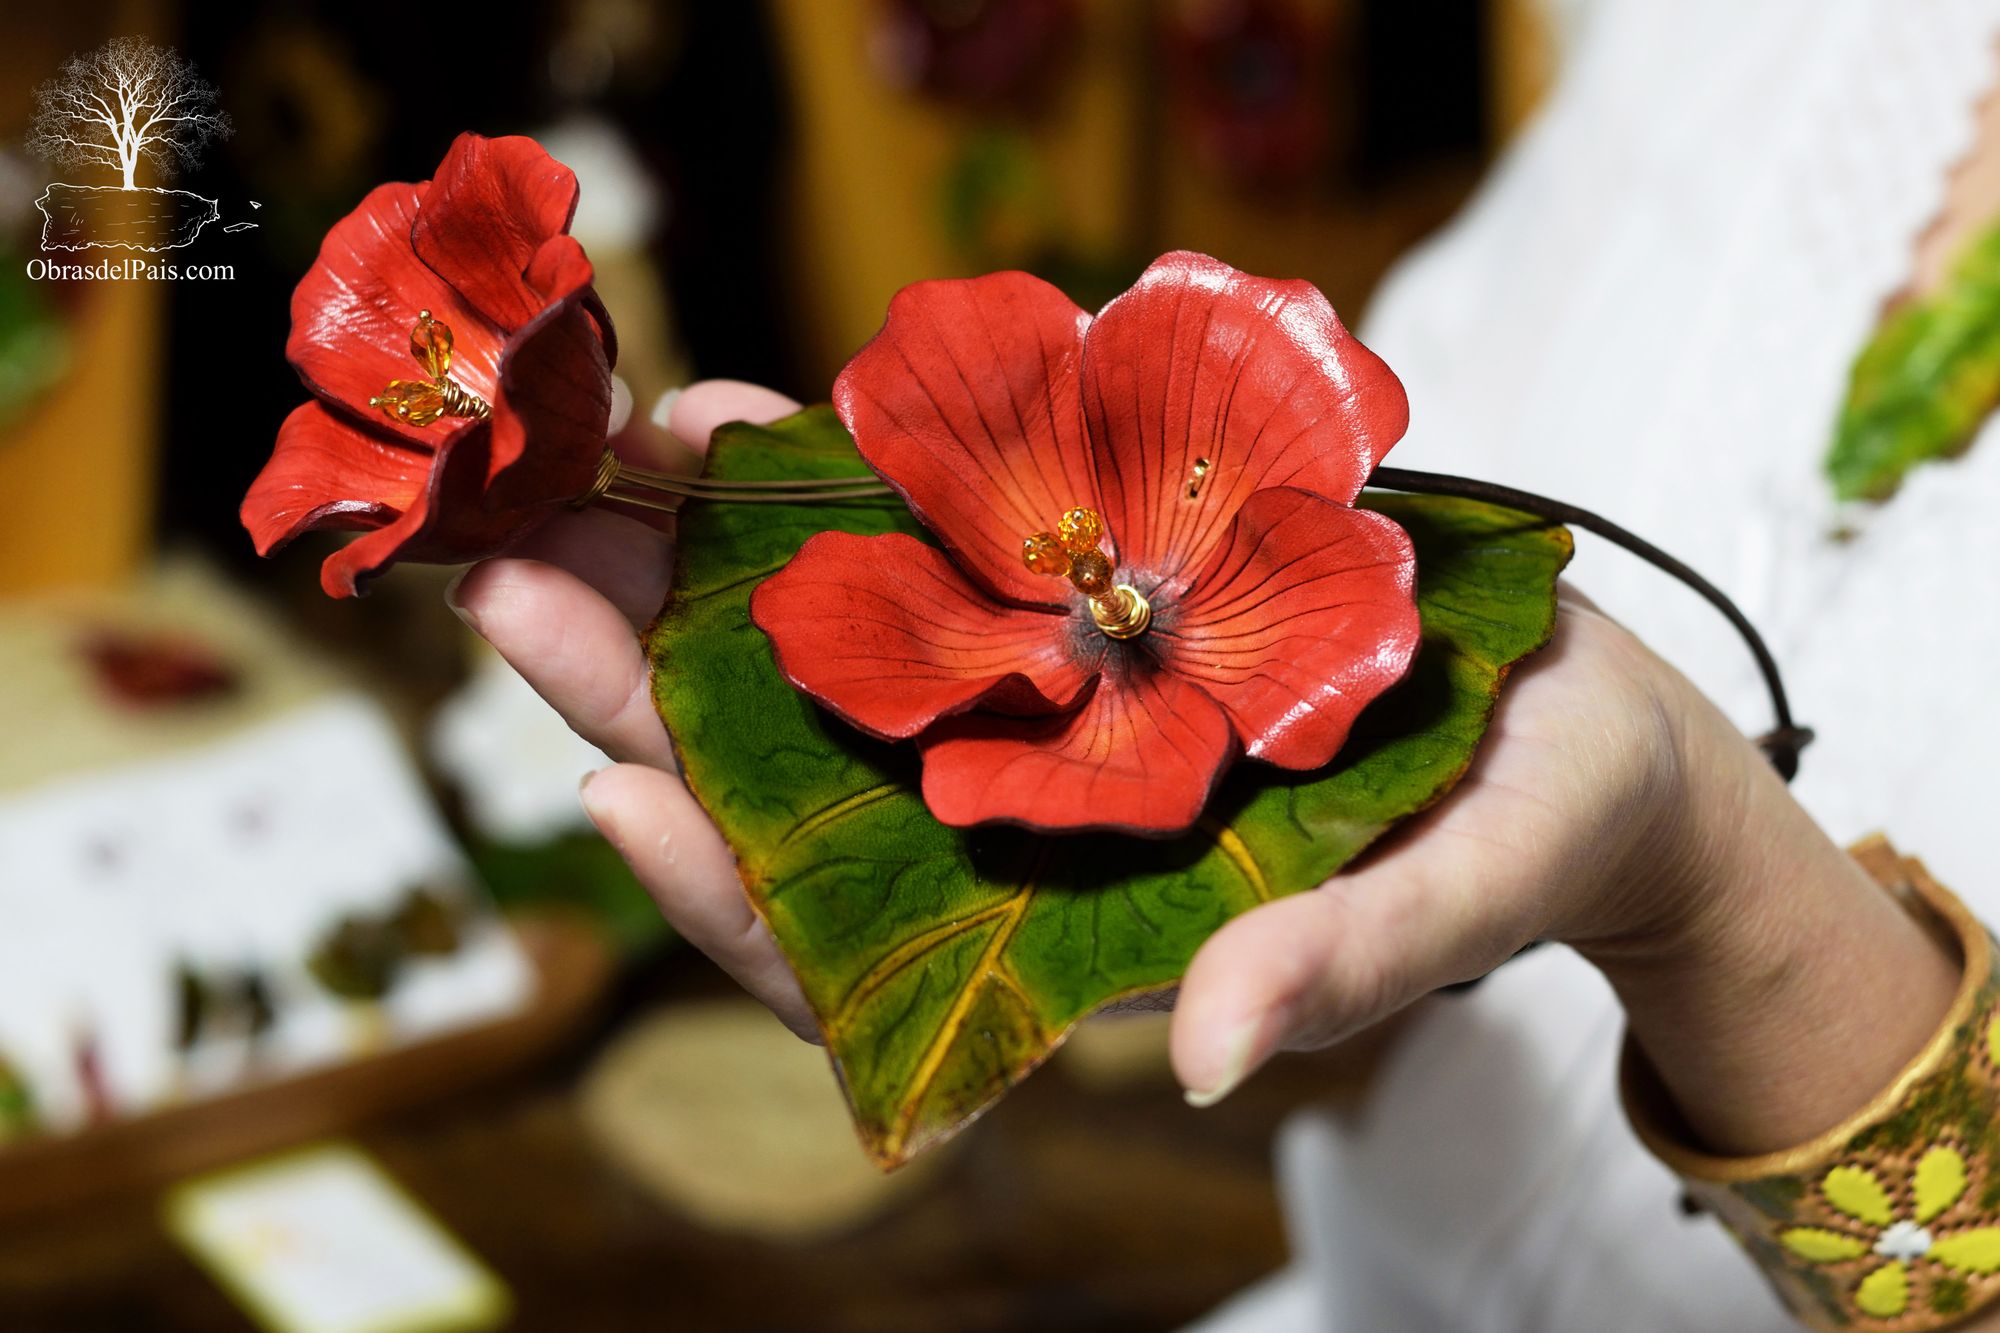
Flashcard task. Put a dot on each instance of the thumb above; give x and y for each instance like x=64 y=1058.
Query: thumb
x=1309 y=970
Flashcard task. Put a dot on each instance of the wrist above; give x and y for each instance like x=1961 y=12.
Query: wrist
x=1772 y=983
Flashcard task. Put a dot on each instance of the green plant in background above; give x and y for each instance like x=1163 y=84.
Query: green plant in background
x=34 y=340
x=574 y=870
x=1000 y=210
x=17 y=1104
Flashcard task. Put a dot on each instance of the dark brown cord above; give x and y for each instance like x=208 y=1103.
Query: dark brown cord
x=1782 y=744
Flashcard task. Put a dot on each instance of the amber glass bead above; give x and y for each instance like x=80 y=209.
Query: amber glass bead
x=1081 y=530
x=1044 y=554
x=416 y=402
x=430 y=343
x=1090 y=574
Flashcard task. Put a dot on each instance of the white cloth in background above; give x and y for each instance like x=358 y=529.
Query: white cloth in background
x=512 y=758
x=1650 y=309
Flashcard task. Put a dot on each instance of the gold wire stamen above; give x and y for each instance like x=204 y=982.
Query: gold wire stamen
x=1124 y=615
x=420 y=402
x=1118 y=609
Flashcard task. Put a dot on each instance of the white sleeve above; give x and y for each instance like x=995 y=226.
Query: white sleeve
x=1491 y=1183
x=1650 y=309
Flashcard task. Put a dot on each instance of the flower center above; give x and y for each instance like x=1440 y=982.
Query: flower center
x=420 y=402
x=1070 y=552
x=1903 y=1240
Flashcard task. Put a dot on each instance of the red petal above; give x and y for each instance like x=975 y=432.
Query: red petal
x=561 y=270
x=553 y=407
x=342 y=573
x=889 y=634
x=1303 y=615
x=966 y=402
x=491 y=207
x=1141 y=756
x=327 y=473
x=446 y=523
x=1259 y=377
x=353 y=311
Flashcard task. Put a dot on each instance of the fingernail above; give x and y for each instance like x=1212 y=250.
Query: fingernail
x=583 y=794
x=1239 y=1057
x=663 y=410
x=451 y=599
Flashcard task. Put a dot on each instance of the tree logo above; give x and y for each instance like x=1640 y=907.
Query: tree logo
x=126 y=105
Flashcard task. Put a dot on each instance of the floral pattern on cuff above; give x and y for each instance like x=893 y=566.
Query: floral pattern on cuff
x=1890 y=1221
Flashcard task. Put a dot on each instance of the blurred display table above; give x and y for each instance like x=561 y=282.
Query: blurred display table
x=1063 y=1209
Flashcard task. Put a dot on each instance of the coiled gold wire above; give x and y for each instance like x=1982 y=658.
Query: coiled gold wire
x=462 y=402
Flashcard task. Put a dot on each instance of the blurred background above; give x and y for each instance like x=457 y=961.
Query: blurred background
x=307 y=957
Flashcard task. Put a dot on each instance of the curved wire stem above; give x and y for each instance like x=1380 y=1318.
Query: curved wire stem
x=1782 y=744
x=625 y=483
x=811 y=490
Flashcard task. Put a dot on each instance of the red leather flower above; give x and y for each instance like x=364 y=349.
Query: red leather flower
x=1209 y=428
x=460 y=364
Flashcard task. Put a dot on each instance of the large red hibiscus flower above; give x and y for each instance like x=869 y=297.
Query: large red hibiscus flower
x=1151 y=561
x=460 y=365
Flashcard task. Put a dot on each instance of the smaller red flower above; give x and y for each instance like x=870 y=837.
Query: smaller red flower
x=460 y=364
x=1152 y=561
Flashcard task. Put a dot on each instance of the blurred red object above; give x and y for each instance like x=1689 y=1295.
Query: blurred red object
x=1250 y=87
x=150 y=670
x=987 y=54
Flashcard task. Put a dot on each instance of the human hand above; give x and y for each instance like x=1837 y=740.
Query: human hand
x=1558 y=830
x=1613 y=808
x=565 y=609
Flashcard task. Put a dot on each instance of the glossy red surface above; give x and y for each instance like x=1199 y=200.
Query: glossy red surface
x=852 y=604
x=1222 y=424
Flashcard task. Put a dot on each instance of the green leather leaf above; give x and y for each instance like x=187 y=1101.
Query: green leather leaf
x=1926 y=381
x=945 y=964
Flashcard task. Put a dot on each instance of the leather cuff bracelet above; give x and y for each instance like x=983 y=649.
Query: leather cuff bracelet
x=1891 y=1219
